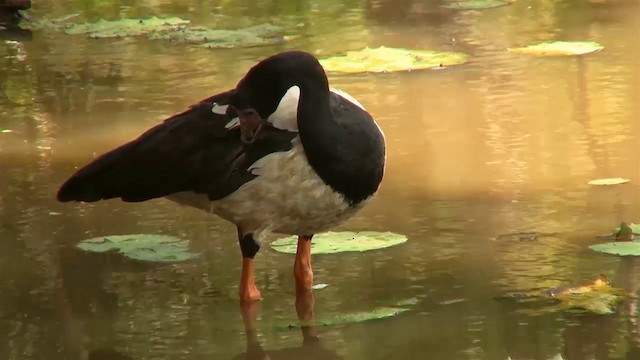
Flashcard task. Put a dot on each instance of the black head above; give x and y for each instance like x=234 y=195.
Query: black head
x=265 y=84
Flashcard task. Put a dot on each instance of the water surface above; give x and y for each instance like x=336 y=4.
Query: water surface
x=505 y=143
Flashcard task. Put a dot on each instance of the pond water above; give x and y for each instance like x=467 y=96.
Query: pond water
x=505 y=143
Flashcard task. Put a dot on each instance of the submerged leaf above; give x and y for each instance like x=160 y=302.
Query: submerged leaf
x=384 y=59
x=610 y=181
x=598 y=302
x=362 y=316
x=335 y=242
x=144 y=247
x=224 y=38
x=559 y=48
x=476 y=4
x=620 y=248
x=597 y=297
x=125 y=27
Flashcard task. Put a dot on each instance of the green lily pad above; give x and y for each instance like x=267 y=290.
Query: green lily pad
x=610 y=181
x=223 y=38
x=476 y=4
x=144 y=247
x=384 y=59
x=620 y=248
x=125 y=27
x=559 y=48
x=347 y=241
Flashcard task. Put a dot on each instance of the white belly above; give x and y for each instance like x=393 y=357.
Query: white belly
x=287 y=196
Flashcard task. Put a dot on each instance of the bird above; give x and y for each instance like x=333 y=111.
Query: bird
x=282 y=152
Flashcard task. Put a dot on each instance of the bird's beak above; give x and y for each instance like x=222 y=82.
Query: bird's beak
x=250 y=125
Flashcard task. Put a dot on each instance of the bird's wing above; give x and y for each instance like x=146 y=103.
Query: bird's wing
x=198 y=150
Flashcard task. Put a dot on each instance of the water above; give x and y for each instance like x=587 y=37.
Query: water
x=502 y=144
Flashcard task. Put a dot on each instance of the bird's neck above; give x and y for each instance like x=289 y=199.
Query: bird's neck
x=316 y=125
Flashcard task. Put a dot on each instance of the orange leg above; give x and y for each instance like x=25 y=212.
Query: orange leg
x=249 y=247
x=248 y=290
x=302 y=266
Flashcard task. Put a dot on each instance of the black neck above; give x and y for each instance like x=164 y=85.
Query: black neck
x=345 y=154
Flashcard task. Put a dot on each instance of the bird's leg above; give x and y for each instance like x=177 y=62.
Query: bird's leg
x=249 y=248
x=302 y=266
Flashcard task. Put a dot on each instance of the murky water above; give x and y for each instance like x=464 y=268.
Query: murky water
x=503 y=144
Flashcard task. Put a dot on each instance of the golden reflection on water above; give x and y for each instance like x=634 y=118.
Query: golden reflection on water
x=505 y=143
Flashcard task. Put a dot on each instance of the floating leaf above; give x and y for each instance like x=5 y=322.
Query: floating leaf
x=384 y=59
x=620 y=248
x=559 y=48
x=125 y=27
x=335 y=242
x=610 y=181
x=476 y=4
x=223 y=38
x=144 y=247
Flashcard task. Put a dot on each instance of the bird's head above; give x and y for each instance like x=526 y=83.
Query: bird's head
x=261 y=90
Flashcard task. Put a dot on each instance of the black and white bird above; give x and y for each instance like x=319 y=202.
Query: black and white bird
x=281 y=152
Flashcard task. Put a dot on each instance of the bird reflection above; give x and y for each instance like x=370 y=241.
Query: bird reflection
x=311 y=347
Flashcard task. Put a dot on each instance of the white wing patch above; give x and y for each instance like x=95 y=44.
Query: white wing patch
x=233 y=123
x=286 y=115
x=348 y=97
x=219 y=109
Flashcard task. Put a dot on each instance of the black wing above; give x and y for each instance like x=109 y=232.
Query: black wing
x=190 y=151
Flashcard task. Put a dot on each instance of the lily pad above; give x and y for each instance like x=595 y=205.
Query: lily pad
x=620 y=248
x=609 y=181
x=476 y=4
x=385 y=59
x=264 y=34
x=559 y=48
x=125 y=27
x=144 y=247
x=347 y=241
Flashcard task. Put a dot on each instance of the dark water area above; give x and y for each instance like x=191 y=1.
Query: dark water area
x=505 y=143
